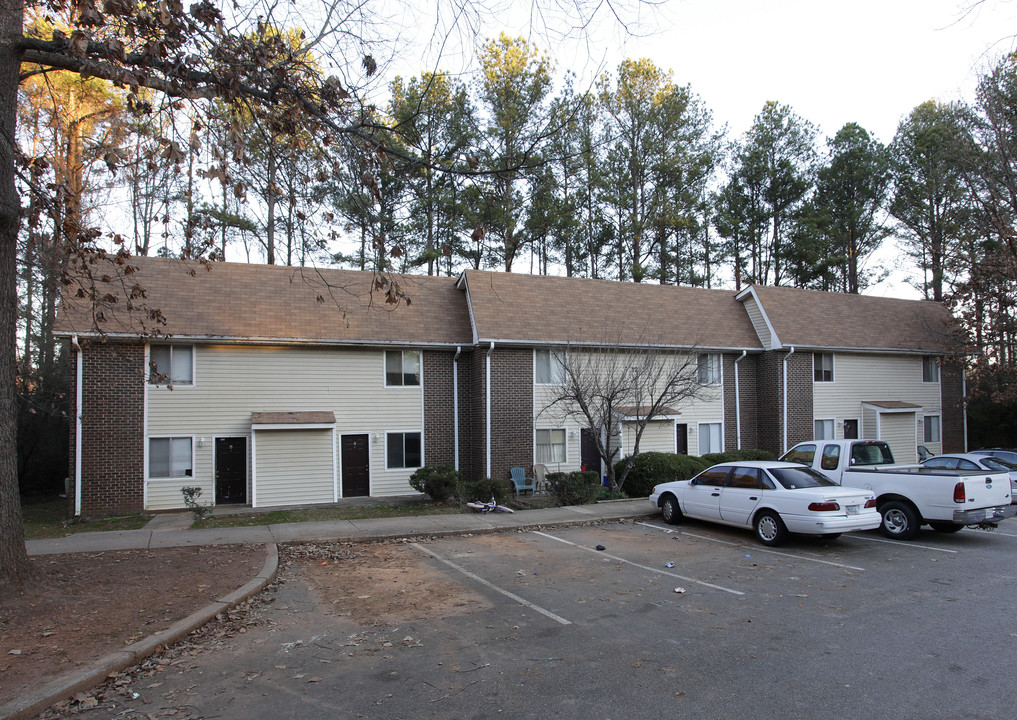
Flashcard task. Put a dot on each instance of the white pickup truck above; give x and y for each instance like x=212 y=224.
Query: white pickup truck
x=909 y=495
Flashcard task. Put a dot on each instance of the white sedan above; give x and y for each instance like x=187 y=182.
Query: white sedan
x=774 y=498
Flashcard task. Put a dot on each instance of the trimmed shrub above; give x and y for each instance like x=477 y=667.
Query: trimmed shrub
x=438 y=482
x=483 y=490
x=651 y=468
x=575 y=488
x=736 y=455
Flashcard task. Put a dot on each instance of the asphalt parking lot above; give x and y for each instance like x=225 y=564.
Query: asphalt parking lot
x=541 y=624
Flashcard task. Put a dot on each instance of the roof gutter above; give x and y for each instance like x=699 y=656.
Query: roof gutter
x=786 y=359
x=78 y=375
x=738 y=400
x=487 y=428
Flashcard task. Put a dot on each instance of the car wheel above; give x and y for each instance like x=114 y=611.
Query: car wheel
x=672 y=513
x=770 y=529
x=900 y=521
x=946 y=526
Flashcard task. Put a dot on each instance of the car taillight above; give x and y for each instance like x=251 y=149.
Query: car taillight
x=823 y=506
x=871 y=502
x=958 y=493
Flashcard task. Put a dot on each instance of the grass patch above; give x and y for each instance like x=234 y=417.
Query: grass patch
x=48 y=519
x=297 y=515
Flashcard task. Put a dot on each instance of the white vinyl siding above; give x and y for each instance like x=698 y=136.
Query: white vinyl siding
x=658 y=436
x=294 y=467
x=238 y=381
x=759 y=323
x=708 y=408
x=899 y=432
x=873 y=378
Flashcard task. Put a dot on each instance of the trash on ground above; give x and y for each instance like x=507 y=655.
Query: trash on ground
x=670 y=565
x=680 y=591
x=601 y=547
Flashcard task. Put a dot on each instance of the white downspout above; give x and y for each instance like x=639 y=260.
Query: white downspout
x=487 y=429
x=786 y=359
x=738 y=400
x=964 y=406
x=78 y=376
x=455 y=406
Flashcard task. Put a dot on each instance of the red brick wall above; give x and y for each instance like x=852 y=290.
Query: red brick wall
x=113 y=402
x=439 y=408
x=747 y=391
x=770 y=400
x=800 y=405
x=951 y=379
x=511 y=413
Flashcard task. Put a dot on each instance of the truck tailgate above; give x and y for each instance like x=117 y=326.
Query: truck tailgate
x=984 y=489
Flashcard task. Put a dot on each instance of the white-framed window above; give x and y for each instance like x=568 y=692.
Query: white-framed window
x=171 y=365
x=402 y=368
x=930 y=369
x=822 y=367
x=710 y=438
x=548 y=368
x=549 y=445
x=932 y=430
x=403 y=450
x=823 y=430
x=170 y=457
x=708 y=367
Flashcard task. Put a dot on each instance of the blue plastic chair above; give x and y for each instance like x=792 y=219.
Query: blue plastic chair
x=520 y=481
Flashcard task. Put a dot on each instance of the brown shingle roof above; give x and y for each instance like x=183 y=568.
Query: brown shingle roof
x=815 y=319
x=517 y=308
x=269 y=302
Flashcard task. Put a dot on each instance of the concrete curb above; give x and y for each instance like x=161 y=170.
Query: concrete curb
x=67 y=685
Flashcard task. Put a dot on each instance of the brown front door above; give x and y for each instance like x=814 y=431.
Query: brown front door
x=588 y=455
x=681 y=439
x=230 y=470
x=356 y=466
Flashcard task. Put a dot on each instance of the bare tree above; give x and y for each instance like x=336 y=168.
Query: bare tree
x=614 y=387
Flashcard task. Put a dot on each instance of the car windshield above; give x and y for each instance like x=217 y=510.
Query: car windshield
x=998 y=464
x=795 y=478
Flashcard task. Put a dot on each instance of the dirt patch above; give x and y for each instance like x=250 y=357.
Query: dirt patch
x=380 y=584
x=86 y=605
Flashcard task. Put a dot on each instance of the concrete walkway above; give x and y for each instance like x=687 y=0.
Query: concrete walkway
x=173 y=530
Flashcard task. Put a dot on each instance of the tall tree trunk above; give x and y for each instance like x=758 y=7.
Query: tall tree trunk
x=14 y=564
x=270 y=198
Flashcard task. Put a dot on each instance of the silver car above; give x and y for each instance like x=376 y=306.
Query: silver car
x=978 y=461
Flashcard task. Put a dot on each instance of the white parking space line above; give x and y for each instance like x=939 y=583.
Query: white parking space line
x=899 y=543
x=758 y=549
x=492 y=586
x=641 y=567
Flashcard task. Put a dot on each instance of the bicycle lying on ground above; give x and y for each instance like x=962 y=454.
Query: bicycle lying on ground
x=486 y=507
